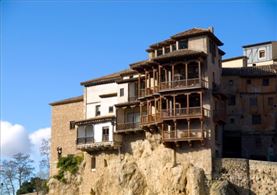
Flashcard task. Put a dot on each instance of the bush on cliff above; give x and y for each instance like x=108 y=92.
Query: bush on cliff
x=69 y=163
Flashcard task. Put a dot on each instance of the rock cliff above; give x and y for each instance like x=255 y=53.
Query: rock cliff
x=149 y=169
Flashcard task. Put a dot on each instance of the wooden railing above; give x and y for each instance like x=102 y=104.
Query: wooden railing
x=185 y=83
x=185 y=134
x=190 y=111
x=150 y=118
x=148 y=91
x=132 y=99
x=84 y=140
x=125 y=126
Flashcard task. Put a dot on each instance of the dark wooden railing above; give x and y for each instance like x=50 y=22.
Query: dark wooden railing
x=185 y=83
x=190 y=111
x=132 y=99
x=85 y=140
x=150 y=118
x=219 y=114
x=126 y=126
x=185 y=134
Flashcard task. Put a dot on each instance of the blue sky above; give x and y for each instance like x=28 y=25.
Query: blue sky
x=49 y=47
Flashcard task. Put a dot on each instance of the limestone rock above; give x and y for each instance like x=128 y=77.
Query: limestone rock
x=223 y=188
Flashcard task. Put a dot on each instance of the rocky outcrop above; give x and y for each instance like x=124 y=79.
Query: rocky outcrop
x=223 y=188
x=146 y=168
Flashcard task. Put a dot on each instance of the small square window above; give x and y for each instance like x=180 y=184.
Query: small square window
x=270 y=101
x=72 y=125
x=232 y=120
x=265 y=82
x=256 y=119
x=261 y=53
x=183 y=44
x=93 y=162
x=110 y=109
x=121 y=92
x=248 y=81
x=97 y=110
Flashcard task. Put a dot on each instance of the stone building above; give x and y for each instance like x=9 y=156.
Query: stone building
x=250 y=83
x=176 y=99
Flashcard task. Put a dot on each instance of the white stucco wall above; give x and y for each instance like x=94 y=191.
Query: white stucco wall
x=98 y=131
x=93 y=99
x=125 y=97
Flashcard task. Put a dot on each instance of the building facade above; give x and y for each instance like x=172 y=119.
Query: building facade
x=181 y=95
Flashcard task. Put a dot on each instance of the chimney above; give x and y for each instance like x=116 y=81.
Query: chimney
x=211 y=29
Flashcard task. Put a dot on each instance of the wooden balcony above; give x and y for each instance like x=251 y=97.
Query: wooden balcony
x=183 y=135
x=89 y=144
x=183 y=112
x=126 y=127
x=186 y=83
x=148 y=91
x=147 y=119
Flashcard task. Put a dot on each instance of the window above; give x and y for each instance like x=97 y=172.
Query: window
x=261 y=53
x=248 y=81
x=183 y=44
x=256 y=119
x=270 y=101
x=253 y=101
x=159 y=52
x=231 y=82
x=72 y=125
x=232 y=120
x=105 y=163
x=167 y=49
x=174 y=47
x=232 y=100
x=121 y=92
x=93 y=162
x=111 y=109
x=265 y=82
x=105 y=134
x=97 y=110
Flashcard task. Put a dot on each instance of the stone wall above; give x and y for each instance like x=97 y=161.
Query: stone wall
x=250 y=177
x=61 y=134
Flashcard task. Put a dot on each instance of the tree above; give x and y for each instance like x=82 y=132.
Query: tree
x=36 y=184
x=45 y=153
x=23 y=167
x=7 y=174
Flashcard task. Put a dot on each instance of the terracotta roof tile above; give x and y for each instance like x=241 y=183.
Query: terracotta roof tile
x=67 y=101
x=179 y=53
x=107 y=79
x=255 y=71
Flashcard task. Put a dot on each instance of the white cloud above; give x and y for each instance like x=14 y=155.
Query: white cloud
x=14 y=139
x=36 y=138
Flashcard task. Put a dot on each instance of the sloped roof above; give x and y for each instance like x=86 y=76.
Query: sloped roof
x=67 y=101
x=197 y=32
x=254 y=71
x=107 y=78
x=186 y=34
x=178 y=53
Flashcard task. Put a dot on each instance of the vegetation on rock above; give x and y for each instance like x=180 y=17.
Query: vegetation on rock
x=69 y=163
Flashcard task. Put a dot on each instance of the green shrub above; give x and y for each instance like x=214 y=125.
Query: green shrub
x=69 y=163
